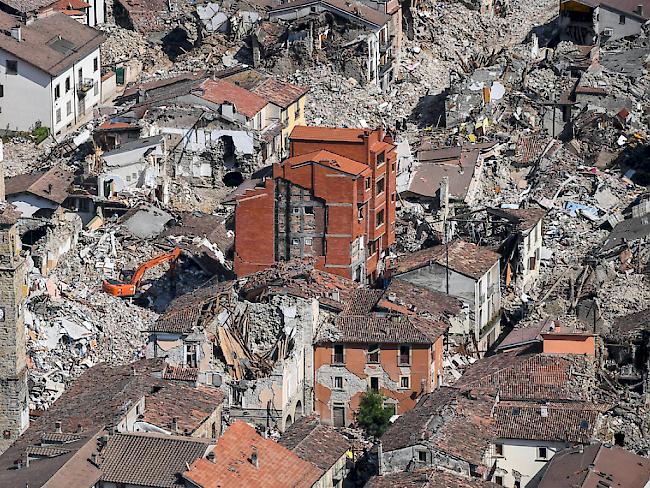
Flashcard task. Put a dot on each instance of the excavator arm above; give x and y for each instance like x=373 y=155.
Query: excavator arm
x=119 y=289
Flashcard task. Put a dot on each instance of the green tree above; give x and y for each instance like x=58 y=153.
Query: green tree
x=372 y=417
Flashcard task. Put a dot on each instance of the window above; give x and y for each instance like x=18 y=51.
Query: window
x=381 y=158
x=404 y=355
x=422 y=456
x=95 y=64
x=498 y=449
x=374 y=383
x=621 y=19
x=517 y=484
x=531 y=262
x=338 y=354
x=392 y=166
x=295 y=210
x=542 y=453
x=96 y=89
x=12 y=67
x=308 y=241
x=372 y=248
x=80 y=75
x=367 y=183
x=380 y=218
x=360 y=212
x=57 y=92
x=67 y=84
x=297 y=110
x=498 y=480
x=2 y=91
x=381 y=185
x=338 y=382
x=68 y=108
x=58 y=115
x=393 y=197
x=405 y=382
x=295 y=241
x=190 y=355
x=309 y=210
x=373 y=353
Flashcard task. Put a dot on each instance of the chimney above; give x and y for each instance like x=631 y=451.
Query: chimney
x=254 y=460
x=581 y=449
x=392 y=297
x=17 y=33
x=174 y=425
x=639 y=10
x=80 y=429
x=212 y=457
x=94 y=458
x=543 y=411
x=57 y=427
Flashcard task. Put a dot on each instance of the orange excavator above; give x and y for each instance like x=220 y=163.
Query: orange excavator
x=119 y=289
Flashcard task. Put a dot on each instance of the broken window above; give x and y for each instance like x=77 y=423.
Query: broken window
x=360 y=212
x=542 y=453
x=498 y=449
x=404 y=355
x=338 y=382
x=380 y=218
x=309 y=210
x=338 y=354
x=367 y=183
x=381 y=158
x=381 y=185
x=67 y=84
x=373 y=353
x=12 y=67
x=372 y=248
x=405 y=382
x=190 y=355
x=57 y=92
x=374 y=384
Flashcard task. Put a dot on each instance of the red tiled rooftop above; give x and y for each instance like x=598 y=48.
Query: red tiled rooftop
x=221 y=91
x=330 y=160
x=333 y=134
x=277 y=466
x=279 y=93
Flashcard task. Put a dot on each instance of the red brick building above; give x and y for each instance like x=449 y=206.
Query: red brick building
x=333 y=199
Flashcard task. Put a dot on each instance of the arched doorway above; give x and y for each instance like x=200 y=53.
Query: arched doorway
x=298 y=413
x=288 y=422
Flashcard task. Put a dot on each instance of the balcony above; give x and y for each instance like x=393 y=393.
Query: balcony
x=85 y=86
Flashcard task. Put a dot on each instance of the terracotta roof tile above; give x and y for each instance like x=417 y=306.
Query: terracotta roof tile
x=180 y=373
x=363 y=301
x=427 y=478
x=319 y=444
x=464 y=257
x=559 y=422
x=330 y=160
x=52 y=185
x=420 y=300
x=525 y=218
x=279 y=93
x=277 y=467
x=222 y=91
x=334 y=134
x=149 y=459
x=395 y=329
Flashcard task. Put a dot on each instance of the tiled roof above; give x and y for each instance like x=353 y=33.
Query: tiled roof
x=334 y=134
x=464 y=257
x=222 y=91
x=149 y=459
x=526 y=335
x=277 y=467
x=180 y=373
x=454 y=422
x=427 y=478
x=52 y=43
x=279 y=93
x=51 y=185
x=356 y=9
x=363 y=301
x=596 y=466
x=529 y=148
x=47 y=451
x=561 y=422
x=395 y=329
x=519 y=375
x=329 y=159
x=190 y=406
x=433 y=166
x=419 y=300
x=525 y=218
x=319 y=444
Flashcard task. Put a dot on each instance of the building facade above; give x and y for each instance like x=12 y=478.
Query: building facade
x=50 y=73
x=332 y=200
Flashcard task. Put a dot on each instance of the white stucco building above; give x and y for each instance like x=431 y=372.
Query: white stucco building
x=50 y=73
x=466 y=271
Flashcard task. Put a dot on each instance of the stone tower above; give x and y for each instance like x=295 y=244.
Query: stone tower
x=14 y=399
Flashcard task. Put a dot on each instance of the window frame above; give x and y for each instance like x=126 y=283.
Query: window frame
x=335 y=381
x=408 y=382
x=336 y=356
x=539 y=453
x=373 y=354
x=14 y=69
x=380 y=221
x=380 y=182
x=399 y=355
